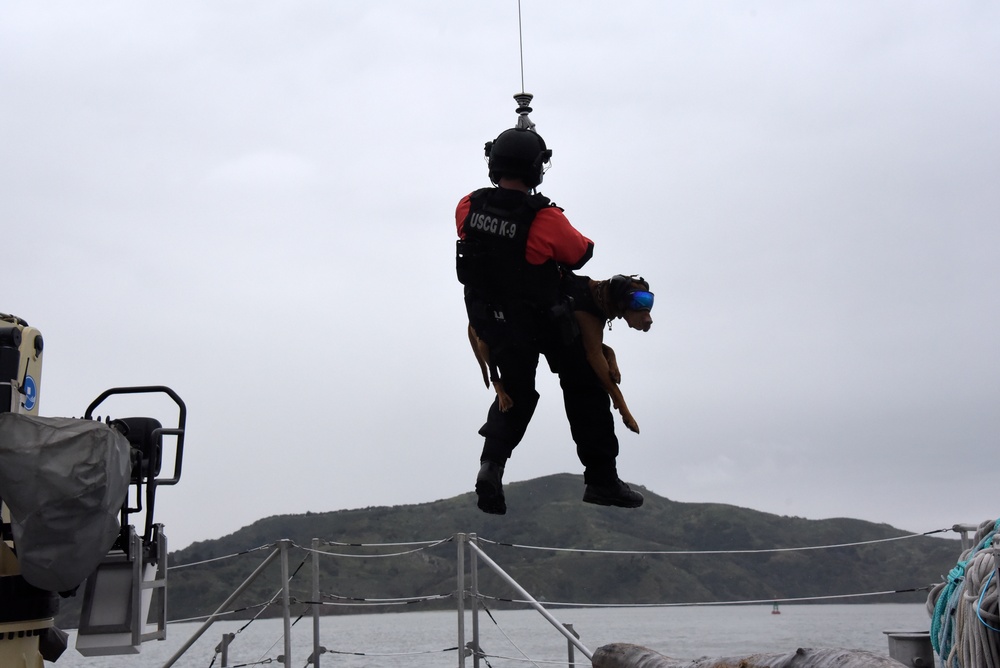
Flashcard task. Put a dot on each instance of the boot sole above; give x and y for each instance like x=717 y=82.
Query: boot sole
x=617 y=502
x=489 y=501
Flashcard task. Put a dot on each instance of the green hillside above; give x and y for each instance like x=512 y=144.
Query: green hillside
x=547 y=512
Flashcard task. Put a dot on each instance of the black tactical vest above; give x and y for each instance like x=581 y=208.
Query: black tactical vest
x=490 y=259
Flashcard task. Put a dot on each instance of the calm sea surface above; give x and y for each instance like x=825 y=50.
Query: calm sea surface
x=428 y=639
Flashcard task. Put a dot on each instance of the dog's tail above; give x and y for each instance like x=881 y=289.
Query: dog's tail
x=477 y=349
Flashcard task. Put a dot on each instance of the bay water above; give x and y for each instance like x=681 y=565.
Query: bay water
x=512 y=638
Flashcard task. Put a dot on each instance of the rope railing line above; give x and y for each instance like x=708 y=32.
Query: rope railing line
x=362 y=603
x=768 y=601
x=424 y=543
x=421 y=652
x=424 y=546
x=334 y=604
x=429 y=543
x=178 y=567
x=395 y=599
x=712 y=552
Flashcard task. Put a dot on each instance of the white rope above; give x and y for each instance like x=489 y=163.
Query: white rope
x=424 y=546
x=703 y=604
x=691 y=552
x=427 y=543
x=362 y=602
x=412 y=653
x=228 y=556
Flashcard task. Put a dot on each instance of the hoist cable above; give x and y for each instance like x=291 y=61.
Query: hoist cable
x=520 y=42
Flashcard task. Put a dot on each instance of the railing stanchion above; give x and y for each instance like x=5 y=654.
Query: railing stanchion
x=223 y=649
x=315 y=598
x=531 y=601
x=570 y=654
x=286 y=602
x=460 y=595
x=474 y=577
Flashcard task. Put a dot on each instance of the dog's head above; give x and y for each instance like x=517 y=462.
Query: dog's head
x=632 y=300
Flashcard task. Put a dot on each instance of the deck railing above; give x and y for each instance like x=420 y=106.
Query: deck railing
x=470 y=556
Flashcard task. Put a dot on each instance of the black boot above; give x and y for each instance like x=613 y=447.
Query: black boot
x=489 y=489
x=615 y=494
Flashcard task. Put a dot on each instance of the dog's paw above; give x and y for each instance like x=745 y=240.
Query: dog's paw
x=631 y=423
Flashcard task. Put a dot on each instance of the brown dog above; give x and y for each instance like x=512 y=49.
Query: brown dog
x=595 y=303
x=489 y=369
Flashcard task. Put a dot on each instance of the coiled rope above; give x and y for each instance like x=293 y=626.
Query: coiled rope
x=965 y=625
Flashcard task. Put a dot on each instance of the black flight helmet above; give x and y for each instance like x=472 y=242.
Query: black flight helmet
x=518 y=153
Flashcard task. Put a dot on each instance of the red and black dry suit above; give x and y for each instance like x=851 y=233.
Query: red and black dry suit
x=511 y=247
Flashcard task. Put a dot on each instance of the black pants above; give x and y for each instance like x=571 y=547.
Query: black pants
x=588 y=406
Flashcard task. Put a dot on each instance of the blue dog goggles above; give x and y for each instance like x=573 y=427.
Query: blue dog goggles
x=640 y=301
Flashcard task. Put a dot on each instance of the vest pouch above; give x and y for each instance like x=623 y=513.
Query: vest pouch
x=563 y=323
x=470 y=264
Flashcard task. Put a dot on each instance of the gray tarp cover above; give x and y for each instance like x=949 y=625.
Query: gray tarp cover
x=64 y=480
x=625 y=655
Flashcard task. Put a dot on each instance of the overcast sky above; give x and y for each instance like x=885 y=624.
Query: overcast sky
x=253 y=203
